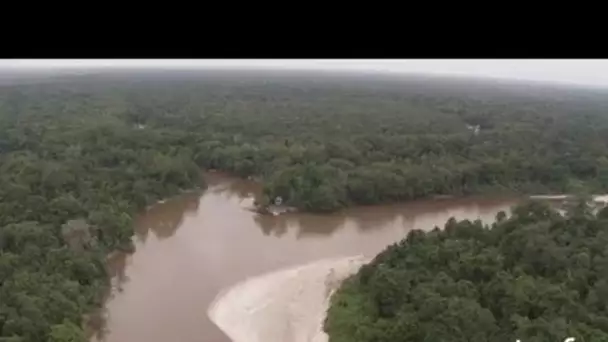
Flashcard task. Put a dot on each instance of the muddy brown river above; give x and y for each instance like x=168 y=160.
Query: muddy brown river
x=192 y=246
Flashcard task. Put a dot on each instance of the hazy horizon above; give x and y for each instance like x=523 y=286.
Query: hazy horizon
x=568 y=72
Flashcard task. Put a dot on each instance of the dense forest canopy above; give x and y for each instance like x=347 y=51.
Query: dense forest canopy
x=537 y=276
x=79 y=156
x=324 y=142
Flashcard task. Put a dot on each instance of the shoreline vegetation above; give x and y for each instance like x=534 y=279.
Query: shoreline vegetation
x=81 y=155
x=537 y=275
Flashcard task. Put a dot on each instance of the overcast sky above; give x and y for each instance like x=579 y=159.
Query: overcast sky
x=576 y=71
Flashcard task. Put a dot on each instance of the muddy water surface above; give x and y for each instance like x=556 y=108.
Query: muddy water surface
x=190 y=247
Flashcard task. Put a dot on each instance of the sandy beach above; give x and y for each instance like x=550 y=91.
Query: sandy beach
x=284 y=306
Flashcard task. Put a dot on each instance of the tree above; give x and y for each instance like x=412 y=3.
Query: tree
x=66 y=332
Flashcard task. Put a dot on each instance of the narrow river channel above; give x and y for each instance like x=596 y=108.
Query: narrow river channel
x=191 y=247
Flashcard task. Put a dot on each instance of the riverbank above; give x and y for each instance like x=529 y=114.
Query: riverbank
x=598 y=199
x=284 y=306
